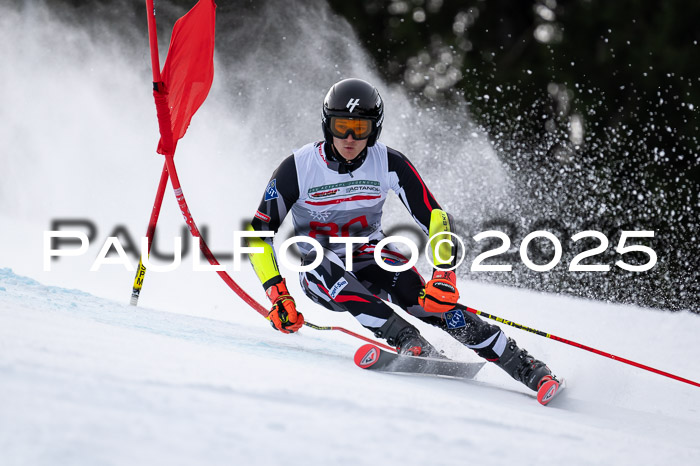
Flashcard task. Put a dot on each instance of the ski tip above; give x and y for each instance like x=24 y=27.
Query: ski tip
x=367 y=355
x=548 y=391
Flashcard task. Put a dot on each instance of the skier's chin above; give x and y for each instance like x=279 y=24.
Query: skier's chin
x=349 y=154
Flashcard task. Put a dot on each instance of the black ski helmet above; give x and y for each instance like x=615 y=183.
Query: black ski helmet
x=353 y=98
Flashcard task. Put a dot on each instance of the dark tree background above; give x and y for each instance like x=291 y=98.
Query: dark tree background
x=593 y=103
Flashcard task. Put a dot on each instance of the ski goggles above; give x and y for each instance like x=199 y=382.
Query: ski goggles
x=341 y=127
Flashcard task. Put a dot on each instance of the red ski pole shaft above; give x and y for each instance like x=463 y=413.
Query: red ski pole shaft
x=573 y=343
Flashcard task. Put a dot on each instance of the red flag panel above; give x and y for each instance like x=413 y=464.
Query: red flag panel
x=189 y=69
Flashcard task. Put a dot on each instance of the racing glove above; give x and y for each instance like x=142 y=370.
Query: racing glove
x=440 y=293
x=284 y=315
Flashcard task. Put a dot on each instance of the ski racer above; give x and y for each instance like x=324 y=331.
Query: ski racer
x=337 y=188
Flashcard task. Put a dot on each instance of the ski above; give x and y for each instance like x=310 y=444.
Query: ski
x=374 y=358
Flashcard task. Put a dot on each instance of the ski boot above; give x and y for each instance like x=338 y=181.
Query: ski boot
x=406 y=338
x=410 y=343
x=524 y=368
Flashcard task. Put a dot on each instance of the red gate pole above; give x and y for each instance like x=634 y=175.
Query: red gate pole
x=155 y=212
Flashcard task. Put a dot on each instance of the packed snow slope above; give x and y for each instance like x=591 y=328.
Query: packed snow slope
x=85 y=380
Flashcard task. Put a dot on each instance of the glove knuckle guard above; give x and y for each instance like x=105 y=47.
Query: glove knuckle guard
x=444 y=287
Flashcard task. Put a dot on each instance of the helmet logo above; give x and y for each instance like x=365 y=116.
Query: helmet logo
x=352 y=103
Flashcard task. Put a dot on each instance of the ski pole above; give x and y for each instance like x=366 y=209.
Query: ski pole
x=573 y=343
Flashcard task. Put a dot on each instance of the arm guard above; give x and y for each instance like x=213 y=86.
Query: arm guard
x=265 y=263
x=443 y=246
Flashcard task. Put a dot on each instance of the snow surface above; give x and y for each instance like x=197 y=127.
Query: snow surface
x=193 y=376
x=87 y=380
